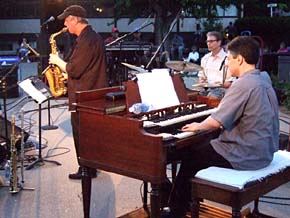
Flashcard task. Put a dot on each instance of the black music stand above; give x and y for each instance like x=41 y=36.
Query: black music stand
x=39 y=92
x=49 y=127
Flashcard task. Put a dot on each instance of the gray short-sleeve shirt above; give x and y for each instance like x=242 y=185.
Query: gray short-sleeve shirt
x=249 y=116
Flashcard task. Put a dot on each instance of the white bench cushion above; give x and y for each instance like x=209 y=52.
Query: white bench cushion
x=239 y=178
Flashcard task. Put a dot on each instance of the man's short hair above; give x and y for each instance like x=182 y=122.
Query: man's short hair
x=83 y=20
x=216 y=34
x=245 y=46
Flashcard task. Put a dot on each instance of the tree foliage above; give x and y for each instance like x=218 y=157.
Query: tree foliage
x=166 y=11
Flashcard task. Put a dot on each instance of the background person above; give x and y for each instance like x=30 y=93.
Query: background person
x=114 y=35
x=86 y=67
x=283 y=48
x=23 y=50
x=193 y=56
x=136 y=36
x=231 y=31
x=177 y=45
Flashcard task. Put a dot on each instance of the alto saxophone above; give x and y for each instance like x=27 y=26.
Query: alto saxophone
x=53 y=73
x=13 y=185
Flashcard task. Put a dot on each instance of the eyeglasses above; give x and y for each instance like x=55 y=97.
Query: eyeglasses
x=211 y=41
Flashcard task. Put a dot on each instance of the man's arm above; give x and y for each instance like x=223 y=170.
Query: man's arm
x=202 y=77
x=227 y=84
x=208 y=124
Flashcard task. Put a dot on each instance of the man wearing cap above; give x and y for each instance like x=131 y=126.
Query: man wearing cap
x=114 y=35
x=86 y=67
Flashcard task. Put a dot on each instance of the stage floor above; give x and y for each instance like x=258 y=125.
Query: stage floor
x=56 y=196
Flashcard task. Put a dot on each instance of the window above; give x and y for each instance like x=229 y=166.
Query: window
x=230 y=11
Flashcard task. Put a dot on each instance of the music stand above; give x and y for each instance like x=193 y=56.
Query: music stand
x=39 y=92
x=49 y=127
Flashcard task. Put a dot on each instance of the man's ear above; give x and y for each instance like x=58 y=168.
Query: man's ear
x=240 y=59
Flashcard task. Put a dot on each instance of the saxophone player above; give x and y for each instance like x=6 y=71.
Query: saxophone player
x=85 y=68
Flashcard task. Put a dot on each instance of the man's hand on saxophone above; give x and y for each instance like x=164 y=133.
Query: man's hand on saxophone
x=55 y=59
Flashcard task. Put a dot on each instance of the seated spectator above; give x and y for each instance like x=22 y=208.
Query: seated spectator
x=283 y=48
x=23 y=50
x=193 y=56
x=137 y=36
x=231 y=31
x=114 y=35
x=177 y=44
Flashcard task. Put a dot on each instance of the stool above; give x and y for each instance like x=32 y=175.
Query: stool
x=222 y=186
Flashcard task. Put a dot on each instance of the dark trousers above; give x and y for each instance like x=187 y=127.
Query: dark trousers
x=75 y=131
x=193 y=161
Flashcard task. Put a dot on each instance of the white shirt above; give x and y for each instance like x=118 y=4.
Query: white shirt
x=211 y=68
x=192 y=56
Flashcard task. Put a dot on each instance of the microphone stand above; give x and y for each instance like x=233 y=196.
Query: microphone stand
x=165 y=38
x=4 y=95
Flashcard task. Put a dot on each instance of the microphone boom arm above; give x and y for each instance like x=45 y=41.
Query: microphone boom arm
x=164 y=39
x=31 y=49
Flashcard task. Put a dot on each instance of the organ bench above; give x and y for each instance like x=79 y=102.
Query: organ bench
x=219 y=185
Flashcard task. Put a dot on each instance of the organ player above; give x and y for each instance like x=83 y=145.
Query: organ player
x=86 y=67
x=247 y=117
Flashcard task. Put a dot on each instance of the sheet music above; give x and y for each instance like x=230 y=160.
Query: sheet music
x=157 y=89
x=38 y=95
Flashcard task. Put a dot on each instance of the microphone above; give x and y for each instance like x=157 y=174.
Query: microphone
x=31 y=49
x=223 y=63
x=47 y=21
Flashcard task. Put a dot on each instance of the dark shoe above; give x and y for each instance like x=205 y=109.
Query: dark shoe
x=165 y=213
x=78 y=174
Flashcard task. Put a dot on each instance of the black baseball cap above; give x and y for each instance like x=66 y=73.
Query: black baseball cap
x=74 y=10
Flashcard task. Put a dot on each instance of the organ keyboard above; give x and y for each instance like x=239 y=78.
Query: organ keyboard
x=179 y=119
x=179 y=135
x=138 y=146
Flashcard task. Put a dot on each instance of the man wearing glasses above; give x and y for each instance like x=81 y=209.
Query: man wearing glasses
x=213 y=72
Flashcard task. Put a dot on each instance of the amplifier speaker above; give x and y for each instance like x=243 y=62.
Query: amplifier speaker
x=17 y=131
x=11 y=82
